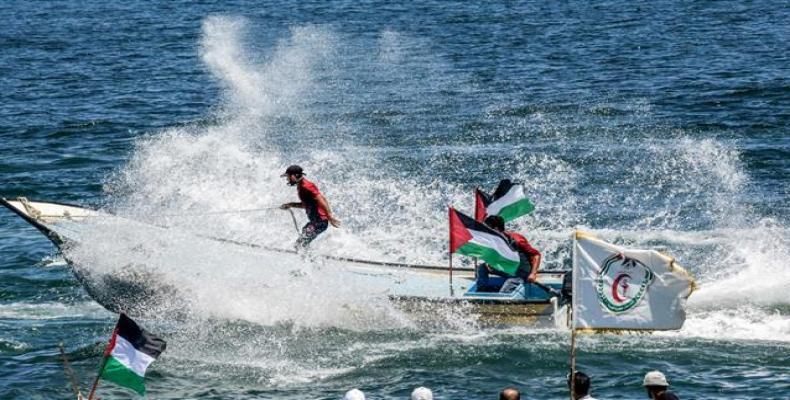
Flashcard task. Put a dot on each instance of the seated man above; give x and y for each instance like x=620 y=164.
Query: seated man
x=520 y=244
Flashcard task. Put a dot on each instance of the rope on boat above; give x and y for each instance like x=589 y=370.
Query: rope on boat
x=35 y=213
x=239 y=211
x=38 y=215
x=331 y=257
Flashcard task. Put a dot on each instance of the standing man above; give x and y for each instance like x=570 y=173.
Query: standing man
x=520 y=244
x=319 y=214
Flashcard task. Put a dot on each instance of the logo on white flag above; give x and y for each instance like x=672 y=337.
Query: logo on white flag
x=622 y=283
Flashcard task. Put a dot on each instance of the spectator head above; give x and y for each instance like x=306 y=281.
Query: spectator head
x=422 y=393
x=582 y=384
x=495 y=222
x=354 y=394
x=655 y=383
x=509 y=393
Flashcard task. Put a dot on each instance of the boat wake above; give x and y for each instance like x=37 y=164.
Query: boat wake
x=658 y=189
x=173 y=274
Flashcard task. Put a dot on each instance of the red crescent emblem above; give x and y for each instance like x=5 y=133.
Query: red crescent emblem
x=621 y=279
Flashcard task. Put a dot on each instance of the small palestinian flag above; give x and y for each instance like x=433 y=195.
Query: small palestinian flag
x=475 y=239
x=508 y=201
x=130 y=351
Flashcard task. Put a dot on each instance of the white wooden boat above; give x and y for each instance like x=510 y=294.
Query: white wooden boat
x=422 y=290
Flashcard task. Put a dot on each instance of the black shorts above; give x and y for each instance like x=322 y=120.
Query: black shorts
x=310 y=231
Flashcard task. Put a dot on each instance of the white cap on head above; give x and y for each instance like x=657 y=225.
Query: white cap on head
x=354 y=394
x=422 y=393
x=655 y=378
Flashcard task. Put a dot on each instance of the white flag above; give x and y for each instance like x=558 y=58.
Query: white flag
x=618 y=288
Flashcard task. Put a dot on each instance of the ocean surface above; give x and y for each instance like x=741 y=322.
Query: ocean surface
x=651 y=124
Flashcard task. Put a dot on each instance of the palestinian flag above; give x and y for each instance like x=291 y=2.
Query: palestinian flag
x=130 y=351
x=508 y=201
x=475 y=239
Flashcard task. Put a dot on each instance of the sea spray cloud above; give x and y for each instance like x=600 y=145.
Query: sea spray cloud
x=270 y=88
x=204 y=170
x=392 y=199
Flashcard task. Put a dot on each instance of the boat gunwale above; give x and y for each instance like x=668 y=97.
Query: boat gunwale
x=59 y=241
x=468 y=300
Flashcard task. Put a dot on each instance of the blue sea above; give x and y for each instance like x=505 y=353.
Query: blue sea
x=655 y=124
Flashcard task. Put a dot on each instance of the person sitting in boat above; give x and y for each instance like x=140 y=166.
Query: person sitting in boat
x=316 y=206
x=520 y=244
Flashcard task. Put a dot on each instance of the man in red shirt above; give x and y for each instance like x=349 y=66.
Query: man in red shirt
x=319 y=214
x=520 y=244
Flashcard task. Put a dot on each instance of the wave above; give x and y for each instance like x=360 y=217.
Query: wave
x=337 y=105
x=52 y=310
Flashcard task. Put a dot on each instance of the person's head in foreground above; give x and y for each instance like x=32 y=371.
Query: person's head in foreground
x=509 y=393
x=354 y=394
x=581 y=386
x=656 y=385
x=421 y=393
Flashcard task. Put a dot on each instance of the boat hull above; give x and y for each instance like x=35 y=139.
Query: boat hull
x=423 y=291
x=484 y=312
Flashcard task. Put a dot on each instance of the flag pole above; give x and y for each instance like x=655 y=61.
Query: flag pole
x=573 y=364
x=450 y=245
x=573 y=324
x=451 y=274
x=107 y=352
x=96 y=381
x=474 y=259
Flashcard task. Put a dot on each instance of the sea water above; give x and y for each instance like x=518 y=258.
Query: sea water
x=651 y=124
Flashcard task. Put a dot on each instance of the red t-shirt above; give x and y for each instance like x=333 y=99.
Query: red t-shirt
x=308 y=194
x=522 y=244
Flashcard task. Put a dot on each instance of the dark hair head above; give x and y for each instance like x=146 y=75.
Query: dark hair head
x=509 y=393
x=495 y=222
x=582 y=385
x=294 y=170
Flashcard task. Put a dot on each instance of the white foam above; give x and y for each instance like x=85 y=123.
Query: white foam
x=747 y=323
x=673 y=191
x=52 y=310
x=219 y=280
x=753 y=271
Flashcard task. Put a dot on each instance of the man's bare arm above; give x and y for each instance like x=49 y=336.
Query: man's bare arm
x=321 y=200
x=533 y=273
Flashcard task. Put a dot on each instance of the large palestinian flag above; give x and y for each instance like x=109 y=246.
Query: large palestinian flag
x=508 y=201
x=475 y=239
x=130 y=351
